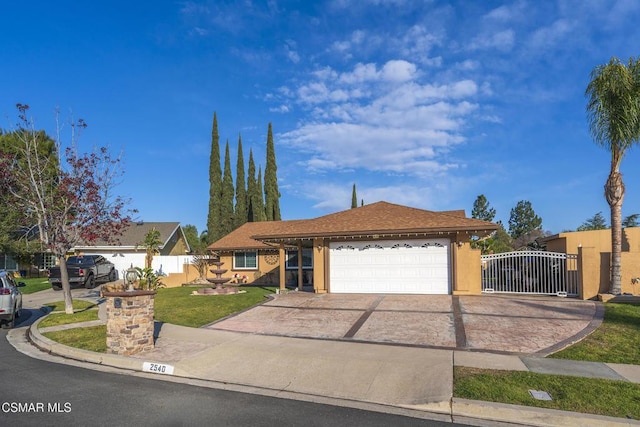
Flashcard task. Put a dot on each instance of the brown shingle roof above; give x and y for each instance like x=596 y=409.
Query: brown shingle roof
x=376 y=218
x=241 y=237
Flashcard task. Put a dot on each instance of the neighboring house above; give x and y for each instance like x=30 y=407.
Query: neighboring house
x=594 y=250
x=7 y=263
x=129 y=250
x=376 y=248
x=41 y=263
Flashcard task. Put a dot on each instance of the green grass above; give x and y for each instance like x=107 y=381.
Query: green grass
x=615 y=341
x=56 y=319
x=34 y=284
x=93 y=338
x=587 y=395
x=179 y=307
x=77 y=305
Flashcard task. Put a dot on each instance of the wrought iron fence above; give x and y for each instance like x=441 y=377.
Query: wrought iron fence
x=530 y=272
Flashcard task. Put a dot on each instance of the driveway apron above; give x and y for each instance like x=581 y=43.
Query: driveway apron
x=504 y=324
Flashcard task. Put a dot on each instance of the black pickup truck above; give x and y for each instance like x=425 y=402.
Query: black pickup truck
x=84 y=270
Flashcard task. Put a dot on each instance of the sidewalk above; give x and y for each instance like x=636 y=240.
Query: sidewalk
x=403 y=380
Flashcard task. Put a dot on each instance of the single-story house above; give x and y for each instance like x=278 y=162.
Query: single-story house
x=594 y=250
x=129 y=250
x=377 y=248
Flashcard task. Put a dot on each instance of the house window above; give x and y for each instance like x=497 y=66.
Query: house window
x=307 y=259
x=245 y=260
x=7 y=263
x=45 y=260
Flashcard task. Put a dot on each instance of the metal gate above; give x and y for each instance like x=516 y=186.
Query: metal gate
x=530 y=272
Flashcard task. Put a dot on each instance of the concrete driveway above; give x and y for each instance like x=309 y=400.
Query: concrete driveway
x=504 y=324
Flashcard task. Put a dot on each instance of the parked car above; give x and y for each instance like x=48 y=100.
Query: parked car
x=84 y=270
x=10 y=299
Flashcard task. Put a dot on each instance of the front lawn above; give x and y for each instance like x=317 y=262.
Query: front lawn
x=56 y=319
x=615 y=341
x=34 y=284
x=179 y=307
x=93 y=338
x=587 y=395
x=78 y=304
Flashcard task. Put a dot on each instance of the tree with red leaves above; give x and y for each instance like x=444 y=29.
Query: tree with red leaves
x=69 y=196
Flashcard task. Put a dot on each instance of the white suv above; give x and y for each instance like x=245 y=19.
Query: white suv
x=10 y=299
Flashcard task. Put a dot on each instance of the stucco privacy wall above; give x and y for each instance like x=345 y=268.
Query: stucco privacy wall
x=594 y=269
x=599 y=239
x=594 y=261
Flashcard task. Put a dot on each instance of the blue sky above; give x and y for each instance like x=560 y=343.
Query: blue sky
x=422 y=103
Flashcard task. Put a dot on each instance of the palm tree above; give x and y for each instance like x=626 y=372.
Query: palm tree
x=613 y=109
x=151 y=244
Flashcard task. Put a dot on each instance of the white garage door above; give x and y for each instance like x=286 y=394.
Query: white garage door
x=394 y=267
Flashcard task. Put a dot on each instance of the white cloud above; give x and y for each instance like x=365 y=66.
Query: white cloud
x=332 y=197
x=502 y=40
x=290 y=48
x=381 y=119
x=361 y=73
x=547 y=37
x=507 y=13
x=398 y=71
x=281 y=109
x=468 y=65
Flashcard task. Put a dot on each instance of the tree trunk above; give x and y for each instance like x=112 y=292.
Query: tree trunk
x=614 y=192
x=66 y=287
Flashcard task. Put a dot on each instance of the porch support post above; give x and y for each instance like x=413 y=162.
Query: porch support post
x=282 y=263
x=299 y=265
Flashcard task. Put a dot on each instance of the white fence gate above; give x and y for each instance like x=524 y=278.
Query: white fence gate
x=530 y=272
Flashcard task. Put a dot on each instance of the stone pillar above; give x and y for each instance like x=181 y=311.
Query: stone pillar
x=129 y=321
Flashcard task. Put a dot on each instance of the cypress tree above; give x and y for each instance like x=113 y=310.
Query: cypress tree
x=260 y=207
x=241 y=214
x=252 y=190
x=215 y=186
x=354 y=198
x=226 y=208
x=271 y=192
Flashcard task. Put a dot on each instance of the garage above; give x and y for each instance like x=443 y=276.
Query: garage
x=390 y=266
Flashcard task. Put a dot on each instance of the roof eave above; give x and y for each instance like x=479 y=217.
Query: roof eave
x=373 y=233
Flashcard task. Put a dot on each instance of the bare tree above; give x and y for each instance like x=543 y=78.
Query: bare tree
x=68 y=195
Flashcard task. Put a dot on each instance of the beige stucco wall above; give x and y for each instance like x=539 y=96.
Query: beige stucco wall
x=267 y=272
x=594 y=271
x=465 y=268
x=320 y=257
x=599 y=239
x=595 y=262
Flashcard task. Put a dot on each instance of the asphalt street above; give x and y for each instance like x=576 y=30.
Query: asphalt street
x=37 y=392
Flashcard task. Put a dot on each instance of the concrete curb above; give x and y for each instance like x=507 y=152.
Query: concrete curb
x=479 y=413
x=52 y=347
x=473 y=411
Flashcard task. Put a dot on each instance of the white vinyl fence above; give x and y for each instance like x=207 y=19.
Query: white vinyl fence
x=162 y=264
